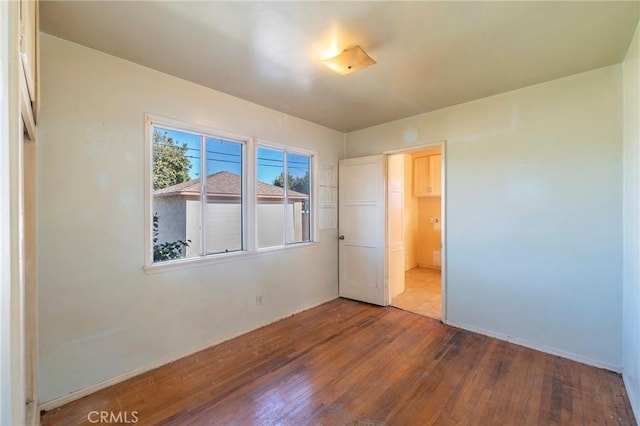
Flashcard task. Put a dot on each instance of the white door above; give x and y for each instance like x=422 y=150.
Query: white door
x=395 y=223
x=362 y=229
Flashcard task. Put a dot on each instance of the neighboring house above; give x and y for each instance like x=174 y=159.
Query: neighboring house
x=179 y=212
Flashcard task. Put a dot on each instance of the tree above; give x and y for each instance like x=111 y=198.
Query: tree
x=170 y=162
x=170 y=166
x=168 y=250
x=298 y=184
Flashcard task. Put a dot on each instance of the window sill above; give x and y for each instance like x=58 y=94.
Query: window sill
x=172 y=265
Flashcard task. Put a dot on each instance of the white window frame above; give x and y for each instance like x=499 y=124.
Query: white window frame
x=286 y=149
x=249 y=196
x=152 y=122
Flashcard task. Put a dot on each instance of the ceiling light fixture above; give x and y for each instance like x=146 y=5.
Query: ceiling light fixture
x=350 y=60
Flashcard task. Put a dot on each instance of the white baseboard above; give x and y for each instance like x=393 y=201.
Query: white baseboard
x=633 y=398
x=65 y=399
x=537 y=347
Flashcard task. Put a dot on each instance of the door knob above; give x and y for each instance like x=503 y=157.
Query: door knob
x=341 y=237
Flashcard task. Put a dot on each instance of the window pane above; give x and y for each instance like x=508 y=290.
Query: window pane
x=298 y=198
x=176 y=194
x=270 y=197
x=224 y=196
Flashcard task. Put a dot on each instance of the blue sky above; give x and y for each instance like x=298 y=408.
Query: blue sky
x=227 y=156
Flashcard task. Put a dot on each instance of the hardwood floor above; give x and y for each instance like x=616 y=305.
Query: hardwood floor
x=422 y=294
x=349 y=363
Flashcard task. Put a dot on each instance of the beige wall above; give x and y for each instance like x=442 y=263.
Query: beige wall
x=101 y=316
x=631 y=222
x=534 y=209
x=30 y=269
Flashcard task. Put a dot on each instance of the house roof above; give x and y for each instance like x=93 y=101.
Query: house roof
x=227 y=184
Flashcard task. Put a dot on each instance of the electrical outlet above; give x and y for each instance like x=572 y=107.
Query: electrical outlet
x=258 y=300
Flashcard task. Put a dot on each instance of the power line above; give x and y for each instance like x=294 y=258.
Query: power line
x=303 y=163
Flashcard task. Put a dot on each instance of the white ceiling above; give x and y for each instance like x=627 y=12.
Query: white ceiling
x=429 y=54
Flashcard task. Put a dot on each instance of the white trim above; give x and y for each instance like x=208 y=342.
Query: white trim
x=249 y=173
x=36 y=100
x=443 y=227
x=416 y=148
x=5 y=223
x=65 y=399
x=633 y=398
x=18 y=271
x=285 y=197
x=313 y=198
x=282 y=147
x=541 y=348
x=189 y=262
x=32 y=417
x=313 y=166
x=386 y=270
x=150 y=122
x=193 y=128
x=25 y=105
x=12 y=333
x=204 y=198
x=148 y=191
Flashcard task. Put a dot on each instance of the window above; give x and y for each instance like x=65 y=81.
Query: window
x=218 y=195
x=283 y=197
x=198 y=193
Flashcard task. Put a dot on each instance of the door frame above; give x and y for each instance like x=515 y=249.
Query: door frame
x=442 y=144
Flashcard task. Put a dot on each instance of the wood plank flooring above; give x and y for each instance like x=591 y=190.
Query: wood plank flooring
x=349 y=363
x=422 y=293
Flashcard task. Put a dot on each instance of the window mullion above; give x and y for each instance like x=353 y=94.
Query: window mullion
x=149 y=130
x=203 y=195
x=250 y=197
x=285 y=197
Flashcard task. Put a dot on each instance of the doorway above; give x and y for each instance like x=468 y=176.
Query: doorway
x=415 y=230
